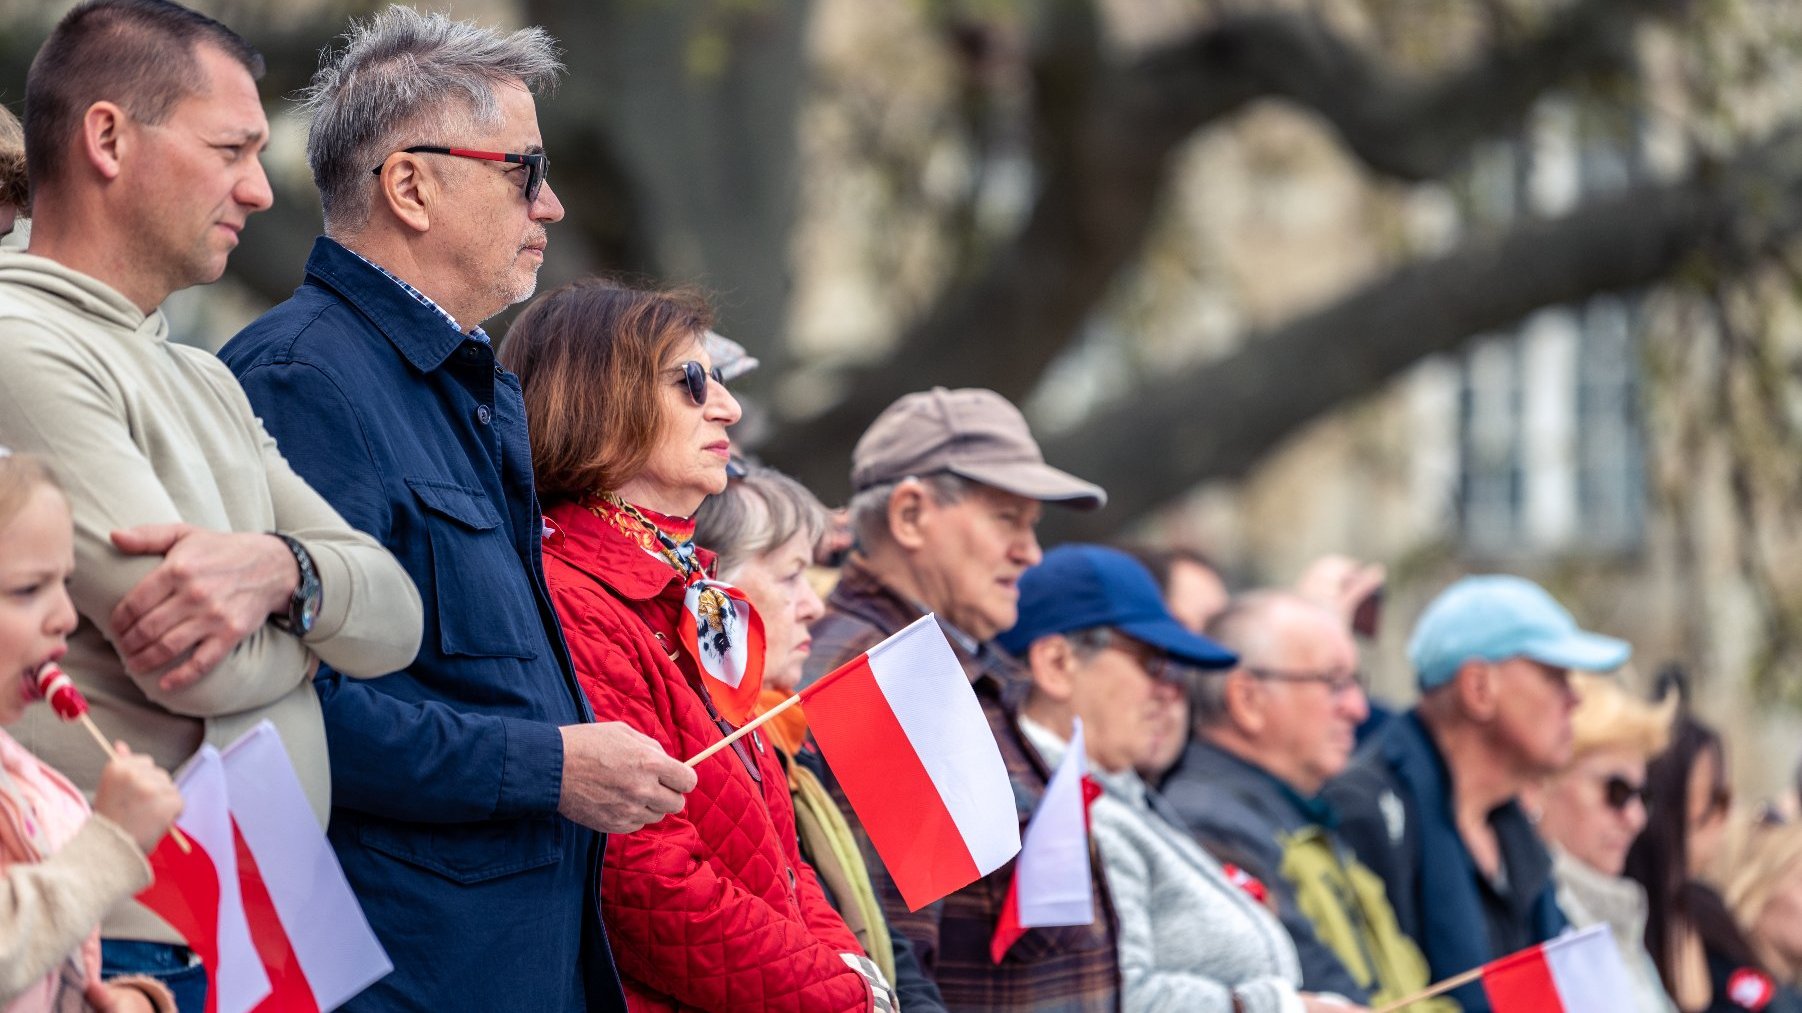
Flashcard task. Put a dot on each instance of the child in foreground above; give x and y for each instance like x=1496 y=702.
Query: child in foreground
x=61 y=867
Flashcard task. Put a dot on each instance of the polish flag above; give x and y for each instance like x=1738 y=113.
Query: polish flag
x=196 y=891
x=910 y=746
x=1051 y=884
x=1579 y=972
x=285 y=915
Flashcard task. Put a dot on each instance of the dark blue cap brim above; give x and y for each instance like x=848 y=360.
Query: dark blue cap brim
x=1174 y=639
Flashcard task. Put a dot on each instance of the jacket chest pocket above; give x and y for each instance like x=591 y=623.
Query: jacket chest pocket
x=485 y=606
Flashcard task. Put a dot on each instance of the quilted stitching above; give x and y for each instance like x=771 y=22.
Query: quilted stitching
x=701 y=907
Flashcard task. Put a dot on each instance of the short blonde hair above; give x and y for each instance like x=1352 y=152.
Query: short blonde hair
x=20 y=476
x=14 y=189
x=1757 y=857
x=1610 y=717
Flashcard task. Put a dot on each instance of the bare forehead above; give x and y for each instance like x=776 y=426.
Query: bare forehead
x=518 y=124
x=224 y=99
x=693 y=350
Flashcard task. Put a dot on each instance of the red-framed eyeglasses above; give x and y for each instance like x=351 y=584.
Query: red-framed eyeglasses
x=538 y=164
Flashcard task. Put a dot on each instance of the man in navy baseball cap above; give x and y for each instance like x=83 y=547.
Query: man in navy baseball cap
x=1094 y=625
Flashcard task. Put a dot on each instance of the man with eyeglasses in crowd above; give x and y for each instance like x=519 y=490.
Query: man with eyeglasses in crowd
x=1269 y=734
x=470 y=786
x=948 y=487
x=1432 y=803
x=1100 y=646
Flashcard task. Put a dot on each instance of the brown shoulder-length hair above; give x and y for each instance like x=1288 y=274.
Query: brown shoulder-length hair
x=590 y=356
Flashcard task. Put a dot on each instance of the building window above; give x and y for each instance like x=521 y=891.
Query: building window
x=1550 y=450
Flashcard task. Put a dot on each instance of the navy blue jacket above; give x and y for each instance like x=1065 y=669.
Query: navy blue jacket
x=445 y=776
x=1395 y=810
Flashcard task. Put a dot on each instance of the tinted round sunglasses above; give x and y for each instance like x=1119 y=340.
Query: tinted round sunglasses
x=695 y=377
x=1618 y=792
x=538 y=164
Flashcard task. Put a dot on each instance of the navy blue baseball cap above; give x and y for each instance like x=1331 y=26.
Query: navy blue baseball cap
x=1081 y=587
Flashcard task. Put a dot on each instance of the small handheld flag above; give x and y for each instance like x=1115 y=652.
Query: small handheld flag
x=1051 y=884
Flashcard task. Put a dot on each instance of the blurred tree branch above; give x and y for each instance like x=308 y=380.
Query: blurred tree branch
x=1215 y=420
x=1107 y=136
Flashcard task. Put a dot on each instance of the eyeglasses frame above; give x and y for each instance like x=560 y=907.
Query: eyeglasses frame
x=1337 y=685
x=537 y=163
x=695 y=377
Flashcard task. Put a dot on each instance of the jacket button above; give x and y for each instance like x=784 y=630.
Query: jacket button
x=791 y=877
x=483 y=414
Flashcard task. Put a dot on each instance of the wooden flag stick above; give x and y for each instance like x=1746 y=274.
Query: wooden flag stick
x=87 y=722
x=750 y=726
x=1455 y=981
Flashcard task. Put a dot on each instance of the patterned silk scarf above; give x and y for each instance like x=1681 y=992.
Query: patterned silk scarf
x=718 y=627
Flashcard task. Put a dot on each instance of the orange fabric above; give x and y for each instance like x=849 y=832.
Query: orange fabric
x=787 y=729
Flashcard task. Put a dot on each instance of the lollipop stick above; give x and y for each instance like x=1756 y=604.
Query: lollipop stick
x=181 y=840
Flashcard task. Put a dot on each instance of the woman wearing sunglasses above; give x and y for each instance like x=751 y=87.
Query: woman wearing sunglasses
x=710 y=908
x=1591 y=813
x=1702 y=953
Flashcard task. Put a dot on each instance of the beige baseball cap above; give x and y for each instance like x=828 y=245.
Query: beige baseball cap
x=972 y=433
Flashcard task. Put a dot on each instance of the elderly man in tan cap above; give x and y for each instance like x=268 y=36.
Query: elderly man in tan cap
x=948 y=486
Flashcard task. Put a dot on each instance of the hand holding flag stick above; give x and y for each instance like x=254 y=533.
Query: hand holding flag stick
x=53 y=684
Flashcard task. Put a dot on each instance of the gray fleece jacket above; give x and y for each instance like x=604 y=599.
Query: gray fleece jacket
x=1189 y=938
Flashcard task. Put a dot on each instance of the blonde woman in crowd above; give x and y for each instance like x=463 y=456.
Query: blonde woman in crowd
x=1760 y=876
x=1592 y=811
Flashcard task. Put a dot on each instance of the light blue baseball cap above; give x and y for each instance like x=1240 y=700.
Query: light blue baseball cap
x=1497 y=617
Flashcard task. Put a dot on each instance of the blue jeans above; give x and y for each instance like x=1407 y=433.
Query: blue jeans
x=174 y=966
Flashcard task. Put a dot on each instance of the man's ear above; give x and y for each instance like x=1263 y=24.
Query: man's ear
x=409 y=191
x=1053 y=663
x=909 y=508
x=1245 y=701
x=1479 y=688
x=106 y=138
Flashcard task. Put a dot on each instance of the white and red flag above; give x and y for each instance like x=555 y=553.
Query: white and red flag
x=910 y=746
x=283 y=913
x=196 y=891
x=1579 y=972
x=1051 y=884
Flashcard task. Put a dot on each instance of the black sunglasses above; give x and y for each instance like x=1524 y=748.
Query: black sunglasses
x=695 y=377
x=1618 y=792
x=538 y=164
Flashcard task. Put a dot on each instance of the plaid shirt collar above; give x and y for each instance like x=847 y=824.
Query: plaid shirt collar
x=423 y=299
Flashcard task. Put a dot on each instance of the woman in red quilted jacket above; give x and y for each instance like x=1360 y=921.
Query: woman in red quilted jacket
x=711 y=908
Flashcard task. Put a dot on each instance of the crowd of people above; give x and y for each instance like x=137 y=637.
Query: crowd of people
x=478 y=588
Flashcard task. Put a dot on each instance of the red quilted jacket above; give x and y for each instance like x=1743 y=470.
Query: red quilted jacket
x=710 y=908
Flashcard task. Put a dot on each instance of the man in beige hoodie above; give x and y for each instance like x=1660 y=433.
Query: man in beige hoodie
x=210 y=579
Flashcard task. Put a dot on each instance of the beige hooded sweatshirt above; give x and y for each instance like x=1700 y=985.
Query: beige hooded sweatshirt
x=141 y=430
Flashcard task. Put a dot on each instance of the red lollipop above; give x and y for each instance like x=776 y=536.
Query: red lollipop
x=53 y=684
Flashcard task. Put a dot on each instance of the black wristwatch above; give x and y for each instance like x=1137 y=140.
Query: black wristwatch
x=303 y=603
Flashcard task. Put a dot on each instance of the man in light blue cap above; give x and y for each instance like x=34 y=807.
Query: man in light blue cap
x=1431 y=804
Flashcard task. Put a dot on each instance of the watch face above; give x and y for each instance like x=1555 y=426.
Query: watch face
x=309 y=613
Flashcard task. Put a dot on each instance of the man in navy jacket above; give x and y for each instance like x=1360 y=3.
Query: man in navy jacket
x=1431 y=804
x=467 y=789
